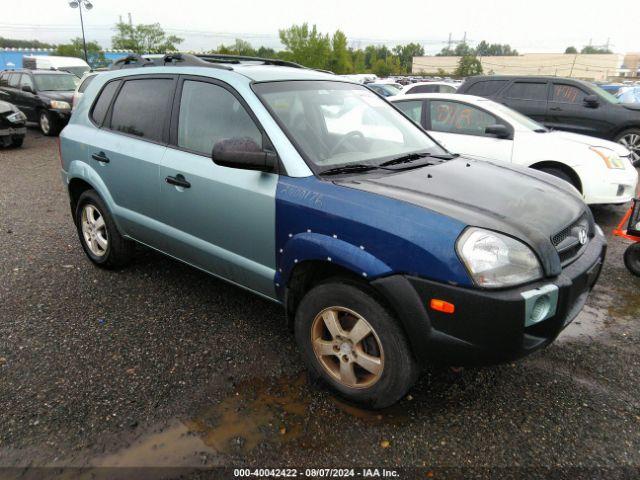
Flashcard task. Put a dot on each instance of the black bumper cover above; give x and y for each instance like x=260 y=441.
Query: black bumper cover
x=488 y=326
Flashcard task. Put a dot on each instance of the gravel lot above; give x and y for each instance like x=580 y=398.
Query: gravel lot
x=160 y=364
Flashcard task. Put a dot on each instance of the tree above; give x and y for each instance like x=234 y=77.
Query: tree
x=75 y=49
x=306 y=46
x=143 y=38
x=385 y=67
x=12 y=43
x=405 y=54
x=240 y=47
x=468 y=66
x=591 y=50
x=340 y=62
x=571 y=50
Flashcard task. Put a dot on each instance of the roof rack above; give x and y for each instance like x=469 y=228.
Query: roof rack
x=238 y=59
x=169 y=59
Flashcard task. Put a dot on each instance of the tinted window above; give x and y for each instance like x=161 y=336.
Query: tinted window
x=141 y=108
x=454 y=117
x=26 y=81
x=567 y=94
x=14 y=80
x=446 y=89
x=412 y=109
x=208 y=114
x=486 y=89
x=103 y=102
x=83 y=86
x=423 y=89
x=3 y=79
x=527 y=91
x=55 y=82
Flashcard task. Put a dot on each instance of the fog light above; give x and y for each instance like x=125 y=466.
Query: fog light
x=620 y=190
x=540 y=304
x=540 y=309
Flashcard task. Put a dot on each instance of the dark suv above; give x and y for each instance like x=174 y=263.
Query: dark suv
x=564 y=104
x=44 y=96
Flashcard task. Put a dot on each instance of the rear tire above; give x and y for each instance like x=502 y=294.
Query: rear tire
x=371 y=364
x=631 y=140
x=98 y=233
x=49 y=125
x=632 y=259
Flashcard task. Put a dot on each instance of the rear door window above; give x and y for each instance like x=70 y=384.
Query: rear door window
x=527 y=91
x=564 y=93
x=104 y=100
x=26 y=81
x=455 y=117
x=14 y=80
x=85 y=83
x=423 y=89
x=141 y=108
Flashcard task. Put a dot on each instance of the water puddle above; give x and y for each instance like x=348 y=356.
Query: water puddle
x=258 y=413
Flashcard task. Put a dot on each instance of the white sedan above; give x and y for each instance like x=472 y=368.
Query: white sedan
x=429 y=87
x=600 y=170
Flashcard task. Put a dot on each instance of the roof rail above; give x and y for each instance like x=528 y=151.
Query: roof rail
x=175 y=59
x=237 y=59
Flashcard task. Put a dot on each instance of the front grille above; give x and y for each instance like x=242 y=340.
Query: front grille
x=568 y=240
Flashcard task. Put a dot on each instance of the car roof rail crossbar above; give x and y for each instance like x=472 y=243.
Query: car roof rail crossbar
x=238 y=59
x=174 y=59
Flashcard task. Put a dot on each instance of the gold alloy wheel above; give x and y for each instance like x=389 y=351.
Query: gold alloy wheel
x=347 y=347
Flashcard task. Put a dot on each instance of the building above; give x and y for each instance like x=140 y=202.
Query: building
x=586 y=66
x=631 y=66
x=12 y=57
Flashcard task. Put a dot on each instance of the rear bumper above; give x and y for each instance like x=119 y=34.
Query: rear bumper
x=489 y=327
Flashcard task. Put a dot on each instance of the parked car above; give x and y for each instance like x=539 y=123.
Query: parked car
x=386 y=254
x=44 y=96
x=564 y=104
x=629 y=95
x=73 y=65
x=12 y=125
x=599 y=169
x=429 y=87
x=86 y=79
x=384 y=89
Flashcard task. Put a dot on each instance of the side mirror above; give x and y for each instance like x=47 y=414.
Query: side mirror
x=243 y=153
x=591 y=101
x=498 y=131
x=27 y=88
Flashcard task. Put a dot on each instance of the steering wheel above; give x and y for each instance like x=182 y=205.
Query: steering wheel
x=352 y=134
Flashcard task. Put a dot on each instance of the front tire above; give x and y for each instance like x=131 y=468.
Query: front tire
x=632 y=259
x=99 y=236
x=354 y=344
x=631 y=140
x=49 y=125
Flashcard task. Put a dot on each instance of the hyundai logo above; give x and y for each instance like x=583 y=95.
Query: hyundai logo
x=582 y=235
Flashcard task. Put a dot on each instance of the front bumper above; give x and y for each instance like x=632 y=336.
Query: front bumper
x=614 y=186
x=18 y=130
x=489 y=326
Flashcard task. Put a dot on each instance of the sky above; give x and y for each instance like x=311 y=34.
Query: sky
x=540 y=26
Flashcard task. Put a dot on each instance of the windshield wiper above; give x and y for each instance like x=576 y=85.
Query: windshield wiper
x=355 y=168
x=412 y=157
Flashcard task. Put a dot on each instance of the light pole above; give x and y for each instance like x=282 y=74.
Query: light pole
x=88 y=5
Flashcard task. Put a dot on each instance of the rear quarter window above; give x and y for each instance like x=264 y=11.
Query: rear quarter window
x=83 y=86
x=527 y=91
x=486 y=88
x=104 y=100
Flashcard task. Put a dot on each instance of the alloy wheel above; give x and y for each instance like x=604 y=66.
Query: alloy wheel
x=45 y=125
x=94 y=230
x=632 y=142
x=347 y=347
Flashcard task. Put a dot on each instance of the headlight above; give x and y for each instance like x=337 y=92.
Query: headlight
x=17 y=117
x=611 y=159
x=494 y=260
x=60 y=105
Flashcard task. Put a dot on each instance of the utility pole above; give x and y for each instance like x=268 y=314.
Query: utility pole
x=88 y=5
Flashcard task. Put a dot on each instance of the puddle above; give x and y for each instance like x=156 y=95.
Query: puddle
x=258 y=413
x=590 y=322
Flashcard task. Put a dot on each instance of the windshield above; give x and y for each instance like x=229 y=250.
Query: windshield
x=516 y=117
x=77 y=71
x=604 y=94
x=338 y=124
x=630 y=95
x=56 y=82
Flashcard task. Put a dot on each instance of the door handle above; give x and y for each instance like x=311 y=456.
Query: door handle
x=555 y=109
x=178 y=181
x=100 y=157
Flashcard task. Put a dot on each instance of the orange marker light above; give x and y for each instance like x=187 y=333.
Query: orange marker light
x=442 y=306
